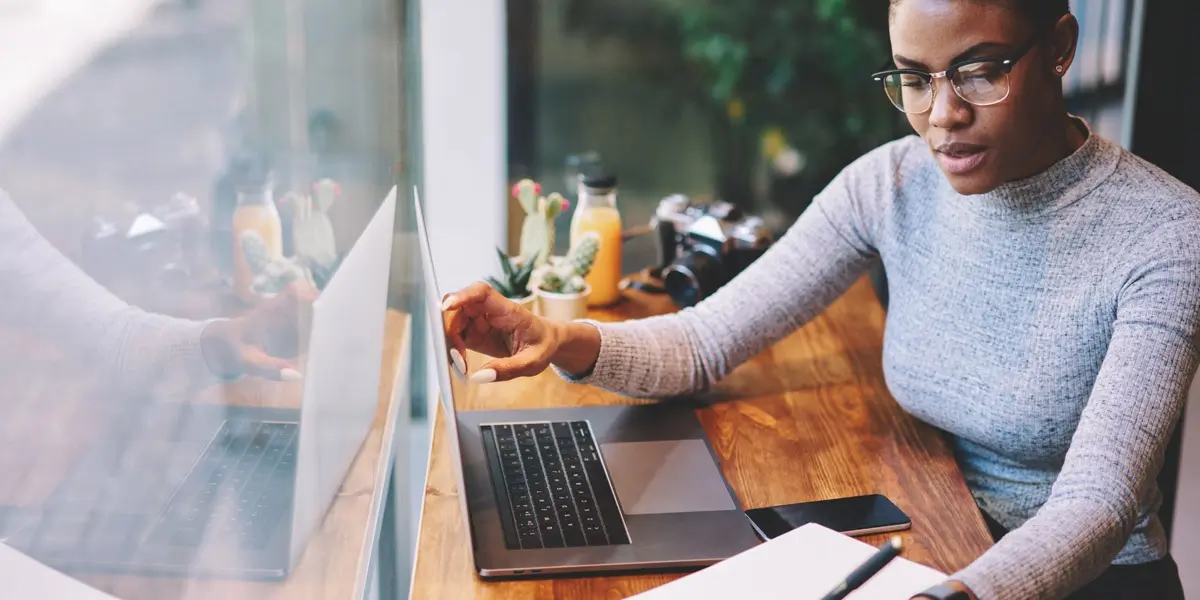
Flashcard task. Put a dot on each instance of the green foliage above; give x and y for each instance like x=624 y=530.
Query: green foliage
x=800 y=67
x=515 y=282
x=271 y=275
x=582 y=256
x=566 y=276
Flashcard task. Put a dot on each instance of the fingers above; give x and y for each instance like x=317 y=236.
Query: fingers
x=477 y=310
x=459 y=363
x=475 y=293
x=257 y=362
x=302 y=291
x=455 y=323
x=281 y=323
x=526 y=363
x=482 y=300
x=291 y=302
x=459 y=316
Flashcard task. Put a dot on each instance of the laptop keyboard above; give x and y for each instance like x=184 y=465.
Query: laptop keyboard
x=552 y=486
x=234 y=488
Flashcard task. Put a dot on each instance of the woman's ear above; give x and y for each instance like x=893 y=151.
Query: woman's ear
x=1064 y=38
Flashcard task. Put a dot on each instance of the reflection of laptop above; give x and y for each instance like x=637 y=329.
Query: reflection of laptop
x=227 y=491
x=586 y=489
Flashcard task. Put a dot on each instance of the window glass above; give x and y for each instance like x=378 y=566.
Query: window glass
x=205 y=307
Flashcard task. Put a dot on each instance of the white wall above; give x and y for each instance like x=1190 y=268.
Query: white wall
x=1185 y=541
x=463 y=82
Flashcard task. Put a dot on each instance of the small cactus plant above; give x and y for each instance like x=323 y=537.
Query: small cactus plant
x=313 y=239
x=515 y=284
x=271 y=276
x=566 y=276
x=537 y=231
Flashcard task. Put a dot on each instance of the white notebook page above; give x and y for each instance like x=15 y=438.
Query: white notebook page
x=802 y=564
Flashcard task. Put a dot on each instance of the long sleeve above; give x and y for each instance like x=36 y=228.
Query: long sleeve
x=1108 y=479
x=825 y=251
x=46 y=294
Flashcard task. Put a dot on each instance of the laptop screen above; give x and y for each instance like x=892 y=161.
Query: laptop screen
x=449 y=385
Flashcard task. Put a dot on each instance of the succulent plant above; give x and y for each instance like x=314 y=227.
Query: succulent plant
x=537 y=231
x=271 y=275
x=566 y=275
x=515 y=284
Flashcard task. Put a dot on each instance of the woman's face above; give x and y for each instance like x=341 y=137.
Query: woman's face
x=980 y=147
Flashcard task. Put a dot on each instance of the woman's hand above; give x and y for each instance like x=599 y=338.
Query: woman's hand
x=262 y=341
x=479 y=318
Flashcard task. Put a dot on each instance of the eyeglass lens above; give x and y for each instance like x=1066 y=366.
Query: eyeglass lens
x=981 y=83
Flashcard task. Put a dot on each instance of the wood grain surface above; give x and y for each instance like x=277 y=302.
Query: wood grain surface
x=66 y=413
x=808 y=419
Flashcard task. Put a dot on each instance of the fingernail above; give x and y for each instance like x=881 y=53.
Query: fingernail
x=290 y=375
x=448 y=302
x=483 y=376
x=459 y=363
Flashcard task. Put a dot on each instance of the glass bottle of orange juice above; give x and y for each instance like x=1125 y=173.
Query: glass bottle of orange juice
x=255 y=211
x=596 y=210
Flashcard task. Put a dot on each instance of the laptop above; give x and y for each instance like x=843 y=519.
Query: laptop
x=573 y=490
x=214 y=490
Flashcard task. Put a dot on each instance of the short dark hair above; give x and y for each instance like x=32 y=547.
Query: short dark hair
x=1041 y=13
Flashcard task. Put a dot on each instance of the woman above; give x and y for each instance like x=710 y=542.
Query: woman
x=47 y=295
x=1044 y=302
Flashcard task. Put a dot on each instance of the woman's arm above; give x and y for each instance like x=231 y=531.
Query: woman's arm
x=48 y=295
x=828 y=248
x=1111 y=467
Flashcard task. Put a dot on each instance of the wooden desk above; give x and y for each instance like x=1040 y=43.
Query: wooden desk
x=808 y=419
x=336 y=563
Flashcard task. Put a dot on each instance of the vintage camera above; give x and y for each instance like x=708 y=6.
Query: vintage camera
x=701 y=247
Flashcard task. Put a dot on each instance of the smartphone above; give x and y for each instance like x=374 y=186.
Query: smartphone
x=854 y=515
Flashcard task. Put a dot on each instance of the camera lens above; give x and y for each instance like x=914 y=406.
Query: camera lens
x=692 y=278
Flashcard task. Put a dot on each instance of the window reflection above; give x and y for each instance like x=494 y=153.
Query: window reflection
x=184 y=184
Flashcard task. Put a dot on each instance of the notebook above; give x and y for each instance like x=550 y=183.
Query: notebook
x=23 y=578
x=804 y=563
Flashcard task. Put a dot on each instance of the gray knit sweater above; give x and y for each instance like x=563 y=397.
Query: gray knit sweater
x=1050 y=326
x=47 y=295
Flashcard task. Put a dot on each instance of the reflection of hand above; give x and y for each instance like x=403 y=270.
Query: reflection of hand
x=261 y=341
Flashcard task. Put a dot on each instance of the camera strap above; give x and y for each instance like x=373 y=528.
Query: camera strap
x=645 y=281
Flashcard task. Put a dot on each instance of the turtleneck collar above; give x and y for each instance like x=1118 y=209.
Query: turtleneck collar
x=1065 y=182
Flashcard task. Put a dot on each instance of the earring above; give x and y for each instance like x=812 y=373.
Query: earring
x=1059 y=69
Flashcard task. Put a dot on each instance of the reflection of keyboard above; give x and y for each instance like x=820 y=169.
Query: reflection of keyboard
x=552 y=486
x=237 y=490
x=239 y=487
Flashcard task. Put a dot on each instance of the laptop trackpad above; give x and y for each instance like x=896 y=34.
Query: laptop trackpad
x=666 y=477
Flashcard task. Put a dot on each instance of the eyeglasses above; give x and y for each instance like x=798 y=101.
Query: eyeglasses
x=982 y=81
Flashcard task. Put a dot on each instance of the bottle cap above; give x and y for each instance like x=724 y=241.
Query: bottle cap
x=251 y=173
x=599 y=179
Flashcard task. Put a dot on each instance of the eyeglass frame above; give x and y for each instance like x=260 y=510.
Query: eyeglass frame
x=1006 y=63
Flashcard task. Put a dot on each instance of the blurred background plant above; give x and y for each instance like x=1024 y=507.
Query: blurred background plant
x=785 y=84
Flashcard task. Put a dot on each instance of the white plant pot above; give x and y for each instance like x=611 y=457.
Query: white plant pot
x=562 y=307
